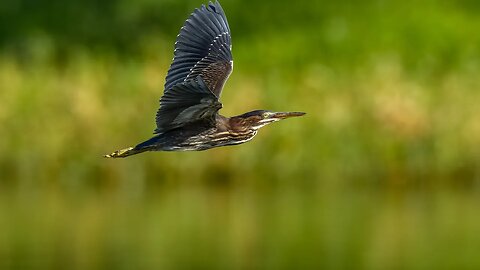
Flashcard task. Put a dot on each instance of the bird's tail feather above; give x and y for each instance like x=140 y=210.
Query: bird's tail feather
x=126 y=152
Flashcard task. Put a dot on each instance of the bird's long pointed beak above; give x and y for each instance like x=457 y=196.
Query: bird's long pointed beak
x=285 y=115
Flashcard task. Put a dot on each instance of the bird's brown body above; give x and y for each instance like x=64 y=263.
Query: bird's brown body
x=188 y=118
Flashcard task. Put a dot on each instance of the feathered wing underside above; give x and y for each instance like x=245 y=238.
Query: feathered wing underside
x=186 y=102
x=203 y=48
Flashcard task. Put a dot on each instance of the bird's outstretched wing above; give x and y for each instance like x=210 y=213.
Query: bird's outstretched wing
x=203 y=48
x=202 y=55
x=186 y=102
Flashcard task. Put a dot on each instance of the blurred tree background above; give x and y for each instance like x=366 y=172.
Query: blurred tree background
x=382 y=173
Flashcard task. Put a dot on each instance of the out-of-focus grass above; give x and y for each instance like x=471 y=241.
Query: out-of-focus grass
x=373 y=123
x=382 y=173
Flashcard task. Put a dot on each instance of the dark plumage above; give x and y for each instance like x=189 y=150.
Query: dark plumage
x=188 y=117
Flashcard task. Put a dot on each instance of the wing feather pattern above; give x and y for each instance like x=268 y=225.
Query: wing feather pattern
x=201 y=65
x=185 y=103
x=204 y=40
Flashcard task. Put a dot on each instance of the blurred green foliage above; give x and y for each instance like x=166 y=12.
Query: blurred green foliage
x=382 y=173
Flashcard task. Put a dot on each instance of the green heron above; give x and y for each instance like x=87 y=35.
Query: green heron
x=188 y=118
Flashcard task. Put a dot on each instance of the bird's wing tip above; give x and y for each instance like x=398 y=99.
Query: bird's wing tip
x=215 y=6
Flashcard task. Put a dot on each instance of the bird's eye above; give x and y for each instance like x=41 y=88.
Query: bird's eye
x=265 y=115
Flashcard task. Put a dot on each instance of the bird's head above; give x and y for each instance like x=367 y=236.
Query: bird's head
x=257 y=119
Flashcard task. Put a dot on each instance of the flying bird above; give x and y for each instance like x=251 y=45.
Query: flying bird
x=188 y=118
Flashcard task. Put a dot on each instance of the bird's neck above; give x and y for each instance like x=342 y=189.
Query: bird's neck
x=236 y=124
x=232 y=124
x=230 y=131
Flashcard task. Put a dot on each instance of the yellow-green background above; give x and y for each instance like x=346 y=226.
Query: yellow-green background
x=382 y=173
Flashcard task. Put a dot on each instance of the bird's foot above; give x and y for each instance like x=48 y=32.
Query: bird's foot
x=120 y=153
